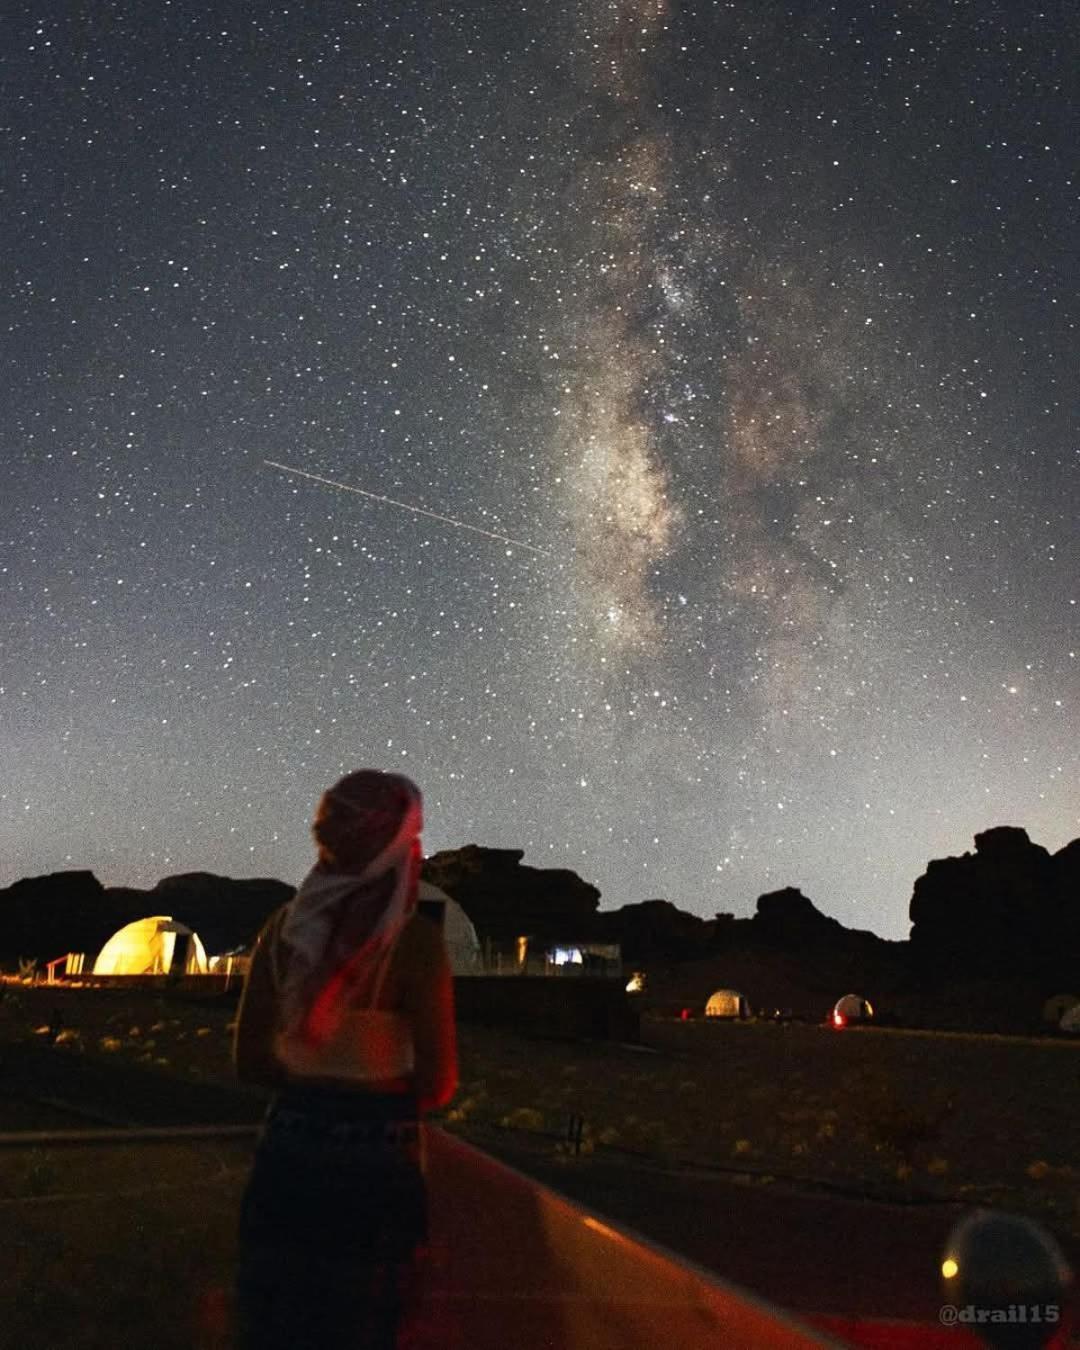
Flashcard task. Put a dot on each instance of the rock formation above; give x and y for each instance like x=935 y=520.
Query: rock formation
x=44 y=917
x=504 y=899
x=1008 y=908
x=655 y=930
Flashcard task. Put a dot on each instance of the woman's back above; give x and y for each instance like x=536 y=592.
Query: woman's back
x=398 y=1033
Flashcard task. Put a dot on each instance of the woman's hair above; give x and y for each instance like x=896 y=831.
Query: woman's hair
x=358 y=817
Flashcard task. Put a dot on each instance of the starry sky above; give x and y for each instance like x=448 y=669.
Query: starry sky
x=735 y=343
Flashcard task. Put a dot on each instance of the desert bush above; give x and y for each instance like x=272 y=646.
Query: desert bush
x=523 y=1118
x=906 y=1127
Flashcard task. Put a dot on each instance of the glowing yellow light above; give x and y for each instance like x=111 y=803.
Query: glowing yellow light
x=949 y=1268
x=146 y=947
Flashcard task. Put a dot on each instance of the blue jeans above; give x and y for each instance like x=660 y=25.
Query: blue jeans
x=332 y=1214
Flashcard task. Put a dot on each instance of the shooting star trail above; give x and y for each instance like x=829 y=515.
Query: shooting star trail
x=405 y=506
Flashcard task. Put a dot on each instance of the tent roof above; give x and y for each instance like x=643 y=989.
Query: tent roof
x=427 y=891
x=144 y=945
x=1070 y=1019
x=162 y=923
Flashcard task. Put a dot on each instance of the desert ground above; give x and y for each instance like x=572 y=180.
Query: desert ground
x=879 y=1112
x=916 y=1123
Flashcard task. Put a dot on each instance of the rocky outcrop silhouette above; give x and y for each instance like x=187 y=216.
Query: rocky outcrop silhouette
x=1011 y=907
x=505 y=899
x=789 y=957
x=994 y=932
x=226 y=913
x=46 y=916
x=789 y=920
x=656 y=930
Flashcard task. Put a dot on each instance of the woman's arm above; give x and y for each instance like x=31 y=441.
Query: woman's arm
x=256 y=1019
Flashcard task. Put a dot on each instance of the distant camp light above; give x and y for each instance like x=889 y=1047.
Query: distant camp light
x=838 y=1019
x=949 y=1268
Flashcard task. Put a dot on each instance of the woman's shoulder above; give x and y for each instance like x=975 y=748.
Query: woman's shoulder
x=268 y=943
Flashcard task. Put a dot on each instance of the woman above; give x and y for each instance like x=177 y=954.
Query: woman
x=348 y=1013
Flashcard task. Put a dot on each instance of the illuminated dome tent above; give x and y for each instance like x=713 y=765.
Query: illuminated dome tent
x=462 y=944
x=147 y=947
x=851 y=1008
x=727 y=1003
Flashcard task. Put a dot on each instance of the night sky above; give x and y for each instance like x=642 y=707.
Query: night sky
x=753 y=325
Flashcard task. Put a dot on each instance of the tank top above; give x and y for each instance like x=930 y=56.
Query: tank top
x=370 y=1045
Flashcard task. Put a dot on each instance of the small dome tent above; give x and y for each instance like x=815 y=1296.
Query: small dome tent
x=1070 y=1021
x=1054 y=1009
x=851 y=1008
x=147 y=947
x=462 y=944
x=727 y=1003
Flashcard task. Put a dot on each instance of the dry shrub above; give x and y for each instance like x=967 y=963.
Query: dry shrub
x=523 y=1118
x=906 y=1127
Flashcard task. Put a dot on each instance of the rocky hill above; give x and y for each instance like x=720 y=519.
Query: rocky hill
x=45 y=916
x=1011 y=907
x=504 y=898
x=993 y=931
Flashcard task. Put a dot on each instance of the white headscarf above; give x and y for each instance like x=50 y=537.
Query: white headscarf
x=339 y=925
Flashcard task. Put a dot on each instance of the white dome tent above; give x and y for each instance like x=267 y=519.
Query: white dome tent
x=1054 y=1009
x=462 y=944
x=1070 y=1021
x=727 y=1003
x=147 y=947
x=852 y=1008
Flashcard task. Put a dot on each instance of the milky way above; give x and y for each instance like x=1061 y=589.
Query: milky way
x=713 y=369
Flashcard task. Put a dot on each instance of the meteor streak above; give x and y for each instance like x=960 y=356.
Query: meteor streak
x=404 y=506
